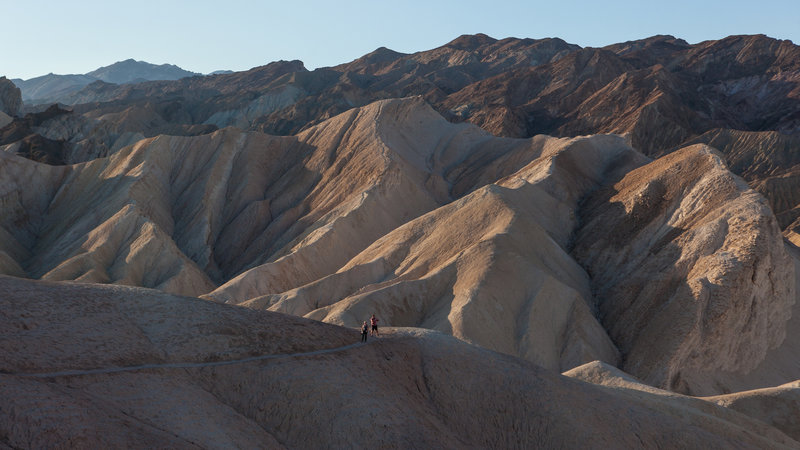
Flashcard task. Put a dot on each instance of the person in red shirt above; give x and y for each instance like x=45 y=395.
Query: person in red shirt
x=374 y=321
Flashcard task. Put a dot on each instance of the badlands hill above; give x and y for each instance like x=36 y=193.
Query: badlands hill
x=390 y=209
x=661 y=92
x=94 y=366
x=655 y=264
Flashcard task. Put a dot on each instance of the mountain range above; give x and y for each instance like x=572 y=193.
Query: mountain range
x=51 y=88
x=564 y=246
x=736 y=91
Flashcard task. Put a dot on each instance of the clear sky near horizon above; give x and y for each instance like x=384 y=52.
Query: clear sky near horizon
x=202 y=36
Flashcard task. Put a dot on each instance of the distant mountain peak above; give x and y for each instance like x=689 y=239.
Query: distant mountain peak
x=380 y=55
x=471 y=41
x=131 y=70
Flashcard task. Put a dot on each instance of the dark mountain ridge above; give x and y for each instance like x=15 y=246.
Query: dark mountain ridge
x=661 y=92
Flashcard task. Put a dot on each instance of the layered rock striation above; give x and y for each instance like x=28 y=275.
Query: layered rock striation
x=689 y=271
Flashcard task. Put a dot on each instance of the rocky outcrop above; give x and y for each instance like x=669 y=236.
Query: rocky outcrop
x=660 y=90
x=223 y=376
x=448 y=269
x=10 y=97
x=284 y=98
x=689 y=271
x=768 y=160
x=239 y=200
x=19 y=136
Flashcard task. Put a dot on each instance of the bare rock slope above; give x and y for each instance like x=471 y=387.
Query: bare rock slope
x=740 y=92
x=689 y=270
x=10 y=97
x=495 y=256
x=390 y=209
x=152 y=369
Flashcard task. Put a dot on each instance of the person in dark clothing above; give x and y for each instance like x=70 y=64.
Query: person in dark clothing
x=374 y=321
x=364 y=332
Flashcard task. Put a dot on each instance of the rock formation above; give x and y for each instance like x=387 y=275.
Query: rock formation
x=19 y=136
x=111 y=366
x=776 y=406
x=689 y=271
x=768 y=160
x=646 y=276
x=451 y=268
x=664 y=94
x=10 y=98
x=390 y=209
x=661 y=92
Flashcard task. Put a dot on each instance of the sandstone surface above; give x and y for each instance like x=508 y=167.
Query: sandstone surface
x=689 y=271
x=778 y=406
x=495 y=256
x=390 y=209
x=179 y=376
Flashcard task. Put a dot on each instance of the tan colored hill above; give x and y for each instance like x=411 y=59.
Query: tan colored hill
x=212 y=205
x=689 y=271
x=778 y=406
x=390 y=209
x=768 y=160
x=489 y=268
x=111 y=366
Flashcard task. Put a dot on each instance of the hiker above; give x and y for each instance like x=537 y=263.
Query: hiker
x=364 y=332
x=374 y=321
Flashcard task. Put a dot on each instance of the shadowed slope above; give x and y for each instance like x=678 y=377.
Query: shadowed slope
x=411 y=389
x=347 y=219
x=223 y=202
x=489 y=268
x=689 y=270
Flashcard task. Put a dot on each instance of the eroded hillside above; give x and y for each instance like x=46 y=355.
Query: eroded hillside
x=130 y=366
x=559 y=251
x=653 y=263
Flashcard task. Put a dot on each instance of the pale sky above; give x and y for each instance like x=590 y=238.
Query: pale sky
x=43 y=36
